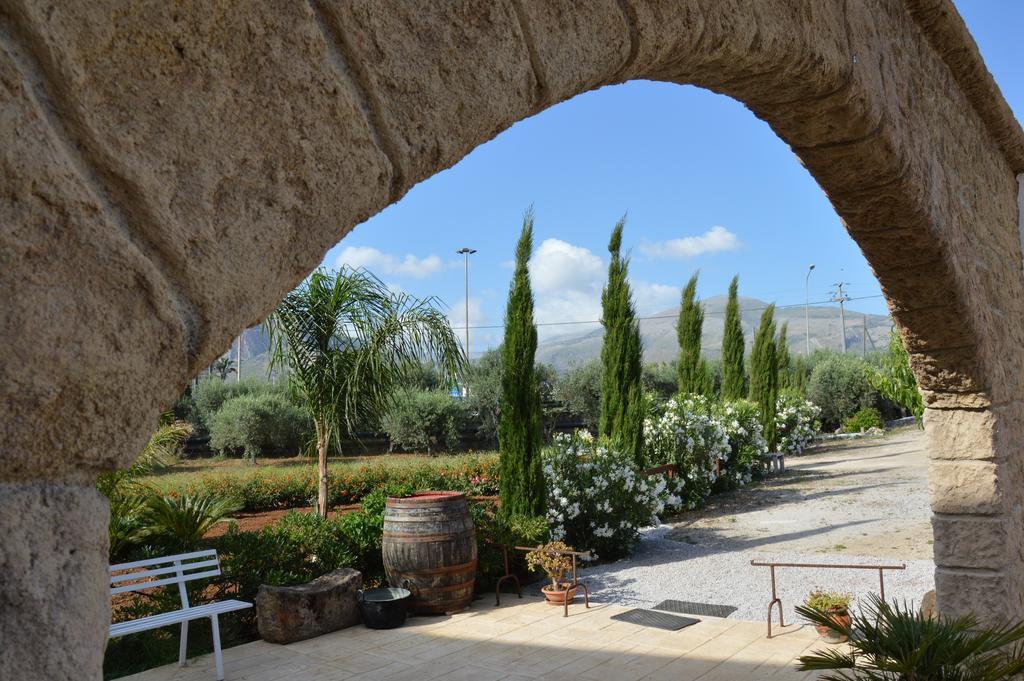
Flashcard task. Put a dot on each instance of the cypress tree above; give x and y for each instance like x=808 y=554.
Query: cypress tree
x=733 y=372
x=520 y=429
x=799 y=376
x=705 y=382
x=622 y=408
x=785 y=374
x=692 y=374
x=764 y=374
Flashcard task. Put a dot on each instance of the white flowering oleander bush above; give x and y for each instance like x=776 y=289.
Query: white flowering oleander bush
x=687 y=434
x=597 y=499
x=741 y=420
x=797 y=422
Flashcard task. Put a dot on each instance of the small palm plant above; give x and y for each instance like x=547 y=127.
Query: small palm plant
x=182 y=521
x=890 y=642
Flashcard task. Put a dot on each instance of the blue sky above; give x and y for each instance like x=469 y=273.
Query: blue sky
x=705 y=186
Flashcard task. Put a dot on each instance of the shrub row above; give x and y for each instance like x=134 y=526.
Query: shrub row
x=267 y=489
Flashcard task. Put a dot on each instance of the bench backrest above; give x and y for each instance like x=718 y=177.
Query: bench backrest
x=154 y=572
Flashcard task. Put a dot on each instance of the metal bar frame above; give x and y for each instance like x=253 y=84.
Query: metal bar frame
x=771 y=565
x=576 y=583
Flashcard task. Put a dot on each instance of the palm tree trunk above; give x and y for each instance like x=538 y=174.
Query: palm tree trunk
x=321 y=467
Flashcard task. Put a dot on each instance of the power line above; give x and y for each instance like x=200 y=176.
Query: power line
x=672 y=316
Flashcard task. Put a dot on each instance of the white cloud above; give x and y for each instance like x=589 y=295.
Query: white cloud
x=650 y=297
x=558 y=266
x=714 y=240
x=567 y=282
x=380 y=262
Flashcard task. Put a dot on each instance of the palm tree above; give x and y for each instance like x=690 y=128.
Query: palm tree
x=889 y=642
x=224 y=367
x=349 y=343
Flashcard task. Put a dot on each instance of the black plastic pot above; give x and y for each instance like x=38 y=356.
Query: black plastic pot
x=383 y=608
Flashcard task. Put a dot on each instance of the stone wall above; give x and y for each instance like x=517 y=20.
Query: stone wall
x=170 y=170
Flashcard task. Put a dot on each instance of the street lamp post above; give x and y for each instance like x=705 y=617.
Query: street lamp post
x=807 y=302
x=467 y=252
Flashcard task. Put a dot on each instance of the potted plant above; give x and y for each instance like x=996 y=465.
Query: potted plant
x=556 y=564
x=834 y=606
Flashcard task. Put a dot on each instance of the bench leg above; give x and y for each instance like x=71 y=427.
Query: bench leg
x=218 y=660
x=183 y=645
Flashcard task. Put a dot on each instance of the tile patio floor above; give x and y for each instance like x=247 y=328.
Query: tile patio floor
x=522 y=640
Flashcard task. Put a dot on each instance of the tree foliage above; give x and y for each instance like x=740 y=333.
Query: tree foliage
x=520 y=428
x=622 y=408
x=895 y=380
x=840 y=385
x=785 y=360
x=350 y=343
x=692 y=373
x=579 y=389
x=258 y=422
x=733 y=372
x=764 y=375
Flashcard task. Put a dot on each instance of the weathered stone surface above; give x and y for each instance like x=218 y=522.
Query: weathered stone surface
x=170 y=170
x=964 y=487
x=969 y=541
x=928 y=608
x=232 y=142
x=960 y=434
x=83 y=306
x=286 y=614
x=54 y=593
x=981 y=592
x=573 y=49
x=442 y=77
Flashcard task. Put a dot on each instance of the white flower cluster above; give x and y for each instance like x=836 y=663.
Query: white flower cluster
x=797 y=421
x=688 y=435
x=742 y=423
x=597 y=499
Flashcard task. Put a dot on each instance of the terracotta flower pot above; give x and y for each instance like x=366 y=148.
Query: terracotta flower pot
x=840 y=617
x=565 y=593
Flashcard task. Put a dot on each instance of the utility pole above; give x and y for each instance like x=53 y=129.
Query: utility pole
x=807 y=315
x=864 y=339
x=238 y=354
x=467 y=252
x=839 y=296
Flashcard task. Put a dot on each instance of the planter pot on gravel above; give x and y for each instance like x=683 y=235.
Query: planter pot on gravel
x=285 y=614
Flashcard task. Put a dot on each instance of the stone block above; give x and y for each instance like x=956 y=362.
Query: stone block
x=970 y=541
x=960 y=434
x=285 y=614
x=964 y=487
x=982 y=593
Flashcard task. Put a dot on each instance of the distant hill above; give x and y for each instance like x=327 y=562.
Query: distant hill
x=660 y=344
x=659 y=335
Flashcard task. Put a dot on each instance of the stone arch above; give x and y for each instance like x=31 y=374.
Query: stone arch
x=173 y=170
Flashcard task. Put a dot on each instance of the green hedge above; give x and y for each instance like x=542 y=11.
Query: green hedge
x=269 y=488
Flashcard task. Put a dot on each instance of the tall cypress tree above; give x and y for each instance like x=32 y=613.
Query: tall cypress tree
x=692 y=373
x=764 y=374
x=520 y=429
x=733 y=372
x=622 y=408
x=785 y=374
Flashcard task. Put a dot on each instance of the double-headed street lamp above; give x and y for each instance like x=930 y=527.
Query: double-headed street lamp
x=467 y=252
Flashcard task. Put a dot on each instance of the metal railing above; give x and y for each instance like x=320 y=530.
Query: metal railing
x=838 y=566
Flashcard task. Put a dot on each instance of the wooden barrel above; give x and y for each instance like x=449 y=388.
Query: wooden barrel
x=429 y=548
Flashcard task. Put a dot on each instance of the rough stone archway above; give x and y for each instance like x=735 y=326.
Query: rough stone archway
x=170 y=170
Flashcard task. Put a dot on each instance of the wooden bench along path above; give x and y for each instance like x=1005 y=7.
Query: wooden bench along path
x=155 y=572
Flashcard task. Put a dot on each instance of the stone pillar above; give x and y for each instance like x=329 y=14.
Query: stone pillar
x=53 y=581
x=975 y=482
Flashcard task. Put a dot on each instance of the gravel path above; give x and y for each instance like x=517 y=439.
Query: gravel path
x=865 y=502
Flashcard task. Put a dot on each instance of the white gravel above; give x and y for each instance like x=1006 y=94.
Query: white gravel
x=858 y=503
x=666 y=569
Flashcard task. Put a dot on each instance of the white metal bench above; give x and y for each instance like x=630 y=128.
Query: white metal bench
x=155 y=572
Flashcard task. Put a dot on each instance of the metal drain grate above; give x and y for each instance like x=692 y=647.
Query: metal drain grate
x=689 y=608
x=658 y=620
